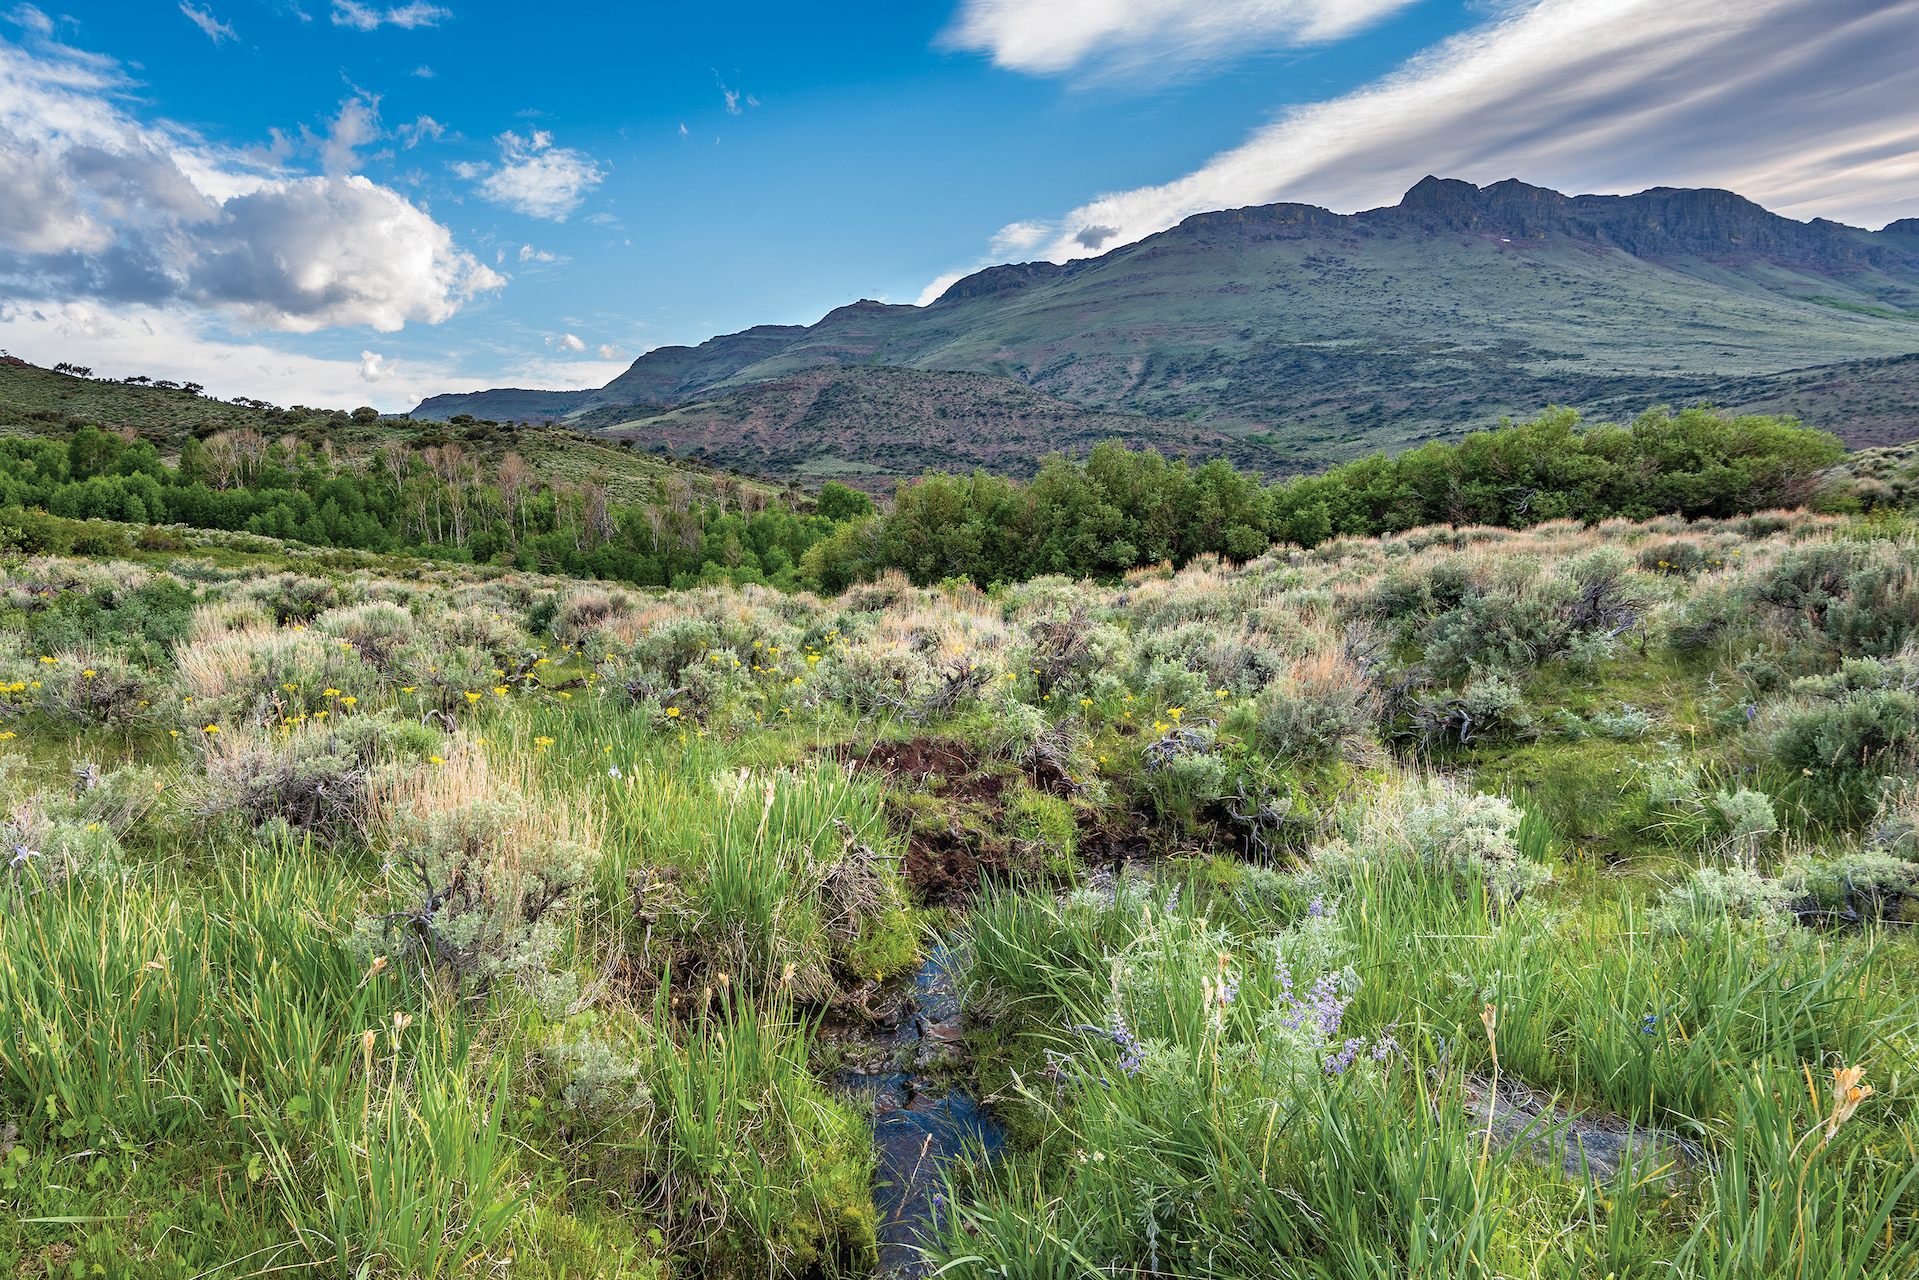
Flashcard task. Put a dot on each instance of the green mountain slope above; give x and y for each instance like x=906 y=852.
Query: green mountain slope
x=1327 y=335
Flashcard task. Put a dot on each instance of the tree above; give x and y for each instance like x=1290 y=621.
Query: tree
x=91 y=452
x=840 y=503
x=366 y=415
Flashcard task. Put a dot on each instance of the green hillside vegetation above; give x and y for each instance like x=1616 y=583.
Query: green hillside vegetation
x=1324 y=337
x=1461 y=901
x=1121 y=509
x=36 y=401
x=1114 y=511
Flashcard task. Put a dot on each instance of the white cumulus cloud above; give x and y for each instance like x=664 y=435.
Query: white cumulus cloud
x=537 y=178
x=1810 y=107
x=940 y=284
x=185 y=345
x=1015 y=237
x=610 y=352
x=101 y=206
x=571 y=343
x=1052 y=36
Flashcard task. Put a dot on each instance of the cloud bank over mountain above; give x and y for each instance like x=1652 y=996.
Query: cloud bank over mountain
x=1810 y=107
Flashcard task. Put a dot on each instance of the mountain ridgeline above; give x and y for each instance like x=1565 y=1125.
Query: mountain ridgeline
x=1288 y=337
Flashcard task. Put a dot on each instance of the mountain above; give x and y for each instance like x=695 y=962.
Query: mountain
x=1313 y=336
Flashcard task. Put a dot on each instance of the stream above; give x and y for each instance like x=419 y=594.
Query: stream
x=911 y=1062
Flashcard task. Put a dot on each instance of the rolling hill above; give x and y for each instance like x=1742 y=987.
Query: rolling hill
x=37 y=401
x=1313 y=336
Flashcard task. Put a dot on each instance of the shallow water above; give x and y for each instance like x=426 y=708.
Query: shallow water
x=919 y=1124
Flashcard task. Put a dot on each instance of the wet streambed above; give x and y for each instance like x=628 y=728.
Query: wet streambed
x=911 y=1063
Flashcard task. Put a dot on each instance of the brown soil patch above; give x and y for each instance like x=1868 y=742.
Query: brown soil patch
x=944 y=866
x=923 y=757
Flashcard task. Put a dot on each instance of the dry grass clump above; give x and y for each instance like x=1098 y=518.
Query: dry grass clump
x=266 y=676
x=484 y=879
x=217 y=619
x=1322 y=707
x=314 y=775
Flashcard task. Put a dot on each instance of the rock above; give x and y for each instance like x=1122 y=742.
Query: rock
x=1577 y=1142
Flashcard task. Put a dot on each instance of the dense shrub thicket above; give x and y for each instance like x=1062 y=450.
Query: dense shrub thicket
x=1119 y=509
x=438 y=501
x=1094 y=518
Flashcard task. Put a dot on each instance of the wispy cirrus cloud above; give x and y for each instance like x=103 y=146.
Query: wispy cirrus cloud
x=362 y=17
x=423 y=128
x=203 y=18
x=1100 y=38
x=1810 y=107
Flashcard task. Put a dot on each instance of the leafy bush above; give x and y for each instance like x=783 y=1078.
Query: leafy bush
x=1488 y=708
x=96 y=688
x=315 y=776
x=477 y=895
x=1853 y=888
x=1841 y=749
x=1456 y=832
x=1712 y=896
x=1624 y=725
x=1323 y=713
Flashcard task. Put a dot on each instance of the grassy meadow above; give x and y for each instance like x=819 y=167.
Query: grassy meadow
x=1464 y=902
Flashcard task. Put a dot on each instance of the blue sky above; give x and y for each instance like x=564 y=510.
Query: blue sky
x=323 y=201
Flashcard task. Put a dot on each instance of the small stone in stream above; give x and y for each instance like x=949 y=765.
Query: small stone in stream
x=934 y=1053
x=948 y=1032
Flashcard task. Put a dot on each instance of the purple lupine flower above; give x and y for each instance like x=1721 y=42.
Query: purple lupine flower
x=1322 y=1005
x=1385 y=1048
x=1129 y=1057
x=1344 y=1058
x=1317 y=907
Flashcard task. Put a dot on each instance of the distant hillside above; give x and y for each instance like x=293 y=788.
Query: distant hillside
x=862 y=424
x=36 y=401
x=32 y=395
x=1324 y=336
